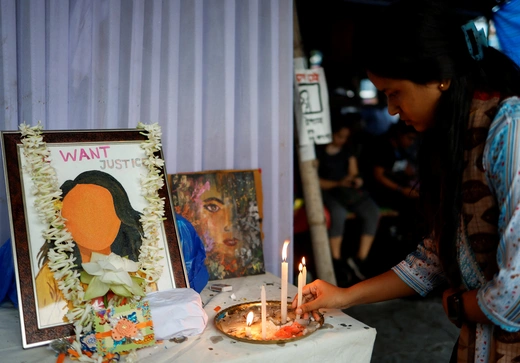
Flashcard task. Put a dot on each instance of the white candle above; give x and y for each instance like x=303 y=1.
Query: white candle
x=249 y=321
x=304 y=271
x=300 y=288
x=285 y=270
x=264 y=313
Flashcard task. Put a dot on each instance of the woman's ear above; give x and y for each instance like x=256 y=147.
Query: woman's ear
x=444 y=85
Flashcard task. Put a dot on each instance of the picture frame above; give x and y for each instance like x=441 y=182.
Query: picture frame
x=73 y=153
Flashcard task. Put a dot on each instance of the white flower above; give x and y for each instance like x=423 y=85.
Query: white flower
x=110 y=272
x=111 y=269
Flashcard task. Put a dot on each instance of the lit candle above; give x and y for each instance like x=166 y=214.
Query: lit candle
x=249 y=321
x=304 y=271
x=285 y=270
x=264 y=313
x=300 y=287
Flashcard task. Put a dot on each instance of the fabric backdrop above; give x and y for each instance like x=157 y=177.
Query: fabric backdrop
x=215 y=74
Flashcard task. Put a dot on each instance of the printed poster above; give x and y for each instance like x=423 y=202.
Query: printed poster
x=313 y=102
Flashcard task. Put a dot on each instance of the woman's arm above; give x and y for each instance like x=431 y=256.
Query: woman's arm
x=326 y=184
x=320 y=294
x=353 y=179
x=379 y=175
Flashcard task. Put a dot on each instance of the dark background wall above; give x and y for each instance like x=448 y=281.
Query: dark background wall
x=329 y=26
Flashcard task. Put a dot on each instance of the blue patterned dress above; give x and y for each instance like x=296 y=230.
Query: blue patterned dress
x=499 y=298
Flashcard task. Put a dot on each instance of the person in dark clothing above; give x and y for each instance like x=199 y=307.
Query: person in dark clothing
x=391 y=176
x=341 y=187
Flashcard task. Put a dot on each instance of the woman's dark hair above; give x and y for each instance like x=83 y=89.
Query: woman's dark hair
x=422 y=41
x=128 y=240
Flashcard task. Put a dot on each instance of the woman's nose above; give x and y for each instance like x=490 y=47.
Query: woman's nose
x=393 y=109
x=228 y=219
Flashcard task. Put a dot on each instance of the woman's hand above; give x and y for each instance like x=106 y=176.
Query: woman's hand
x=357 y=182
x=351 y=182
x=316 y=295
x=320 y=294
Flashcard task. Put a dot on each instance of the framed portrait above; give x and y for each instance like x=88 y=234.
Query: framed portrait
x=225 y=207
x=99 y=173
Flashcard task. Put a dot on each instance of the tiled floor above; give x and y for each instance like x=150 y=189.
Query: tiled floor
x=409 y=330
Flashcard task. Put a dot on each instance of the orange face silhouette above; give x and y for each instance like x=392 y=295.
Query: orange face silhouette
x=91 y=218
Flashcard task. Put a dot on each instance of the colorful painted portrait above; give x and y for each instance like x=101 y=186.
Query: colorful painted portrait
x=225 y=207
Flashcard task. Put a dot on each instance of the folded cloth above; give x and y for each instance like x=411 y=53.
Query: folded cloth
x=8 y=283
x=176 y=313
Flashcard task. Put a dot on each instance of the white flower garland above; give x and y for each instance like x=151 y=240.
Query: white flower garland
x=48 y=206
x=153 y=214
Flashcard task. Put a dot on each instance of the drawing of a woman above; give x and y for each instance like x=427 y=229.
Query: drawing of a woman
x=100 y=218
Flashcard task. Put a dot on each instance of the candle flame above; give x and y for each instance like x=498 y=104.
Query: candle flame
x=284 y=250
x=300 y=267
x=303 y=261
x=250 y=317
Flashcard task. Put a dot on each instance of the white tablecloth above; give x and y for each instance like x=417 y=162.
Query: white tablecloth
x=342 y=339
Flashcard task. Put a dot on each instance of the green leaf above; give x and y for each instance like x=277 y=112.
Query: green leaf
x=85 y=277
x=137 y=279
x=136 y=287
x=96 y=288
x=121 y=290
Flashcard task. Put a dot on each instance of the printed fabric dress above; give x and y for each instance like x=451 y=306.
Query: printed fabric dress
x=491 y=267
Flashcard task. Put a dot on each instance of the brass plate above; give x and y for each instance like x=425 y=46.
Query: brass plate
x=232 y=321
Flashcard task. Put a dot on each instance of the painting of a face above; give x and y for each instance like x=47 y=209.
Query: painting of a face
x=218 y=213
x=223 y=208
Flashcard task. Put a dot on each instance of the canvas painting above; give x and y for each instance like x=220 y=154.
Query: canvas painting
x=225 y=207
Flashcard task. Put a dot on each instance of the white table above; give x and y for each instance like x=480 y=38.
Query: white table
x=342 y=339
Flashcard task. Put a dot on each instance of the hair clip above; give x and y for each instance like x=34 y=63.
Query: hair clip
x=476 y=40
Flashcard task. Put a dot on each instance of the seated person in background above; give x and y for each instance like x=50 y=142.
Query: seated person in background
x=341 y=184
x=391 y=173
